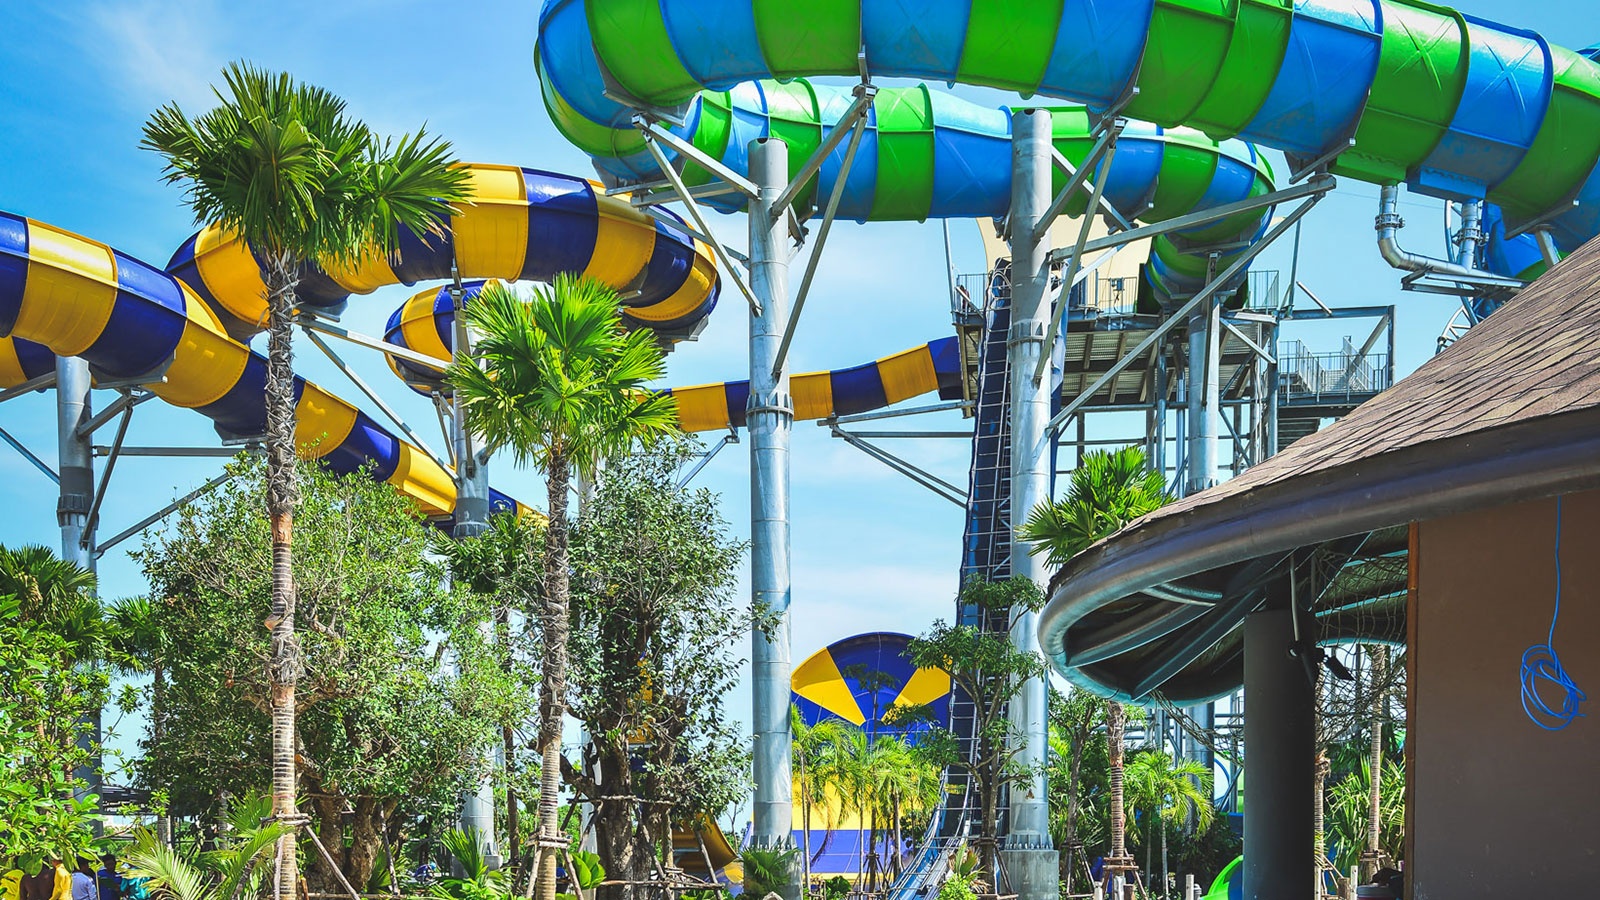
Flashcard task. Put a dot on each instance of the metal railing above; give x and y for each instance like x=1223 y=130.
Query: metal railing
x=1110 y=296
x=1310 y=378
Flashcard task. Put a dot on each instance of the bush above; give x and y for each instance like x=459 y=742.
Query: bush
x=1204 y=853
x=957 y=889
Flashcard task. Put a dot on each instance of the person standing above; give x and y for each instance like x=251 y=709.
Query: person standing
x=83 y=882
x=107 y=879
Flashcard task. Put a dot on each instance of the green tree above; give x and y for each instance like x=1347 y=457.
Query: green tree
x=401 y=687
x=281 y=166
x=812 y=747
x=990 y=670
x=232 y=870
x=1109 y=490
x=1170 y=791
x=1349 y=812
x=1075 y=718
x=655 y=624
x=46 y=699
x=502 y=568
x=557 y=381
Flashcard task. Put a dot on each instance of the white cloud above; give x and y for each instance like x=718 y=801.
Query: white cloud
x=158 y=51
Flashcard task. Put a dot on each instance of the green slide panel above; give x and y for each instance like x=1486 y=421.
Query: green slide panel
x=815 y=37
x=1560 y=154
x=1183 y=57
x=1421 y=71
x=1248 y=70
x=632 y=38
x=1009 y=43
x=905 y=155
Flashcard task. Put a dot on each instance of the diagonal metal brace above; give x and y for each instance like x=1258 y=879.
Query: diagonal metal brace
x=650 y=142
x=856 y=133
x=853 y=119
x=652 y=131
x=1181 y=315
x=1079 y=176
x=1071 y=278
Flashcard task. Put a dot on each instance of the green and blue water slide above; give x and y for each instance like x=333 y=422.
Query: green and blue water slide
x=1454 y=106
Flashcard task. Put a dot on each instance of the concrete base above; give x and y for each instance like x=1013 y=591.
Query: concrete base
x=1034 y=874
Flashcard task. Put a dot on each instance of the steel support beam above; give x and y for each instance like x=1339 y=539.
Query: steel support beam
x=1181 y=315
x=1205 y=394
x=651 y=136
x=921 y=476
x=39 y=383
x=312 y=322
x=372 y=395
x=732 y=437
x=75 y=460
x=896 y=413
x=160 y=514
x=1028 y=820
x=27 y=454
x=769 y=419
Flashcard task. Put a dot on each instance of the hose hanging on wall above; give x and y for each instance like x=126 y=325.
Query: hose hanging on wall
x=1541 y=664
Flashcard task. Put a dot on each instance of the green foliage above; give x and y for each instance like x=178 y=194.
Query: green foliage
x=835 y=888
x=556 y=376
x=1170 y=790
x=236 y=868
x=586 y=870
x=768 y=871
x=655 y=632
x=957 y=889
x=1348 y=810
x=399 y=691
x=480 y=882
x=1109 y=490
x=282 y=165
x=1203 y=852
x=51 y=636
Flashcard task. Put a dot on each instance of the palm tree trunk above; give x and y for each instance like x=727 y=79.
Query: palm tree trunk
x=1119 y=823
x=282 y=494
x=1319 y=784
x=1380 y=659
x=553 y=684
x=805 y=824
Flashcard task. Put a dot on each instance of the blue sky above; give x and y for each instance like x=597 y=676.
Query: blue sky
x=871 y=550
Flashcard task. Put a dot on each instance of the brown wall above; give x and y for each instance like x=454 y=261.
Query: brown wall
x=1499 y=807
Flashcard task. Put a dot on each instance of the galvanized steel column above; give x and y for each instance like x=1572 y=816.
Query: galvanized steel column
x=75 y=456
x=1029 y=823
x=1205 y=396
x=472 y=519
x=770 y=420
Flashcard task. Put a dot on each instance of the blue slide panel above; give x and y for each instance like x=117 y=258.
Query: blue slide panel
x=1326 y=74
x=368 y=445
x=671 y=260
x=1098 y=47
x=35 y=359
x=716 y=40
x=1576 y=226
x=915 y=38
x=563 y=224
x=971 y=158
x=241 y=412
x=858 y=389
x=1136 y=168
x=423 y=258
x=749 y=123
x=571 y=66
x=149 y=304
x=1509 y=76
x=737 y=395
x=13 y=269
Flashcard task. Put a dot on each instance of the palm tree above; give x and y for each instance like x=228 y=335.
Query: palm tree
x=1171 y=791
x=1110 y=489
x=57 y=593
x=812 y=744
x=556 y=380
x=280 y=166
x=231 y=871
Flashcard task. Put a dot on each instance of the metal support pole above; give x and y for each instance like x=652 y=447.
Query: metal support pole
x=472 y=519
x=1205 y=389
x=1272 y=392
x=1280 y=739
x=769 y=417
x=1158 y=456
x=1030 y=859
x=75 y=471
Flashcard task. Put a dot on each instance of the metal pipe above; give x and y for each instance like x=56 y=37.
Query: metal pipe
x=1027 y=352
x=27 y=454
x=160 y=514
x=769 y=419
x=1388 y=224
x=1470 y=237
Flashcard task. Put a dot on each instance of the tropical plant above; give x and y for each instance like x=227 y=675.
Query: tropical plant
x=587 y=874
x=1107 y=491
x=59 y=595
x=1170 y=791
x=990 y=670
x=477 y=880
x=836 y=888
x=557 y=381
x=768 y=870
x=232 y=870
x=1110 y=489
x=1074 y=722
x=402 y=688
x=1348 y=812
x=280 y=166
x=813 y=747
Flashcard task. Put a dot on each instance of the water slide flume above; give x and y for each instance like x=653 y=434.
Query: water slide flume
x=1389 y=90
x=178 y=332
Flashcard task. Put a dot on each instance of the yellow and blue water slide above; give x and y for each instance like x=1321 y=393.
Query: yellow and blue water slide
x=1454 y=106
x=424 y=324
x=180 y=331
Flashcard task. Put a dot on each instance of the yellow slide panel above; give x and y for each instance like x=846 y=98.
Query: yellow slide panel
x=492 y=234
x=908 y=374
x=424 y=481
x=231 y=274
x=72 y=283
x=703 y=407
x=624 y=243
x=322 y=422
x=813 y=395
x=206 y=364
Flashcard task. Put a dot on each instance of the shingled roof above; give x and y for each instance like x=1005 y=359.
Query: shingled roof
x=1511 y=411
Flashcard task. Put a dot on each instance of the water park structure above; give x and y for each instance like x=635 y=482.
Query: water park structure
x=1140 y=146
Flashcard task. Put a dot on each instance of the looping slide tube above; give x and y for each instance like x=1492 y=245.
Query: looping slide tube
x=65 y=294
x=424 y=324
x=521 y=224
x=1458 y=107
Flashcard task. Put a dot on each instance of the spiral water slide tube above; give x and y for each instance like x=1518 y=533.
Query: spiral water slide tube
x=1392 y=91
x=425 y=321
x=179 y=332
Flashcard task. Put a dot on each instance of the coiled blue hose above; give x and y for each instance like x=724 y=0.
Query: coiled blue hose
x=1541 y=664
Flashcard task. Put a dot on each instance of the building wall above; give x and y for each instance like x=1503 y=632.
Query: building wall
x=1498 y=806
